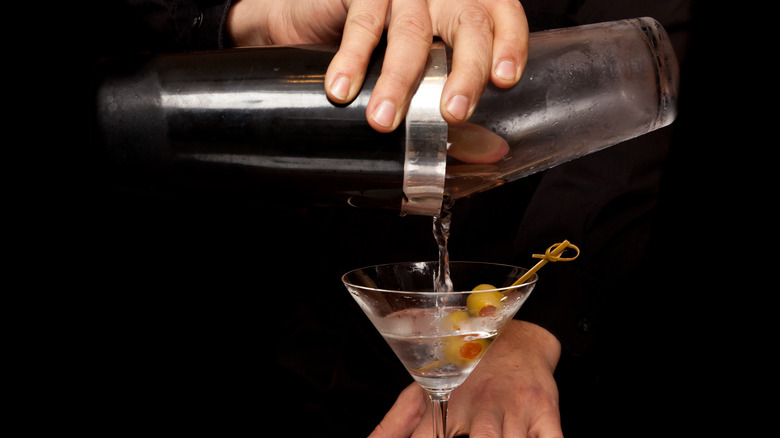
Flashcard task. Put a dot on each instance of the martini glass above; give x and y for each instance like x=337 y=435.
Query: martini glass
x=439 y=336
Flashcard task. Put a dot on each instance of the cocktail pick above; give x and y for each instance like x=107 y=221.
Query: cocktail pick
x=553 y=254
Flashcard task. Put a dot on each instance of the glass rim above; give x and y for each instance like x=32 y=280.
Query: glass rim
x=528 y=282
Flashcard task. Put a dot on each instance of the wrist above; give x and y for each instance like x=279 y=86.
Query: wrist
x=533 y=338
x=247 y=23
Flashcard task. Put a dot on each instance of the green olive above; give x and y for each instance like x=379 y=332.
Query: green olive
x=454 y=320
x=484 y=303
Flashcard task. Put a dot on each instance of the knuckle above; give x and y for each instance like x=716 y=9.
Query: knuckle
x=475 y=70
x=480 y=76
x=515 y=43
x=414 y=27
x=368 y=22
x=399 y=78
x=477 y=18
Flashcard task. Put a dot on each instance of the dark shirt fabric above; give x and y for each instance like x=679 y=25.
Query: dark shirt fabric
x=160 y=26
x=220 y=305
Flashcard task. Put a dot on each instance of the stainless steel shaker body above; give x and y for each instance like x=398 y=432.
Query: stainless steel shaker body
x=257 y=120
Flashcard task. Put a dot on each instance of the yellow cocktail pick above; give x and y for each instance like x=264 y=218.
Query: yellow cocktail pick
x=553 y=254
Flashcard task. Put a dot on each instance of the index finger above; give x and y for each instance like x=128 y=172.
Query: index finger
x=363 y=28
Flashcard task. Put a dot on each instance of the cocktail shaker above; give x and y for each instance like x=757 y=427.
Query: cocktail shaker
x=257 y=120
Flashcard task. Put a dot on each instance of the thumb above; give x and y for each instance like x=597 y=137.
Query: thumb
x=402 y=418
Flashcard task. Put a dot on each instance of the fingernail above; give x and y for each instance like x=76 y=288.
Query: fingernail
x=458 y=106
x=384 y=114
x=339 y=88
x=506 y=70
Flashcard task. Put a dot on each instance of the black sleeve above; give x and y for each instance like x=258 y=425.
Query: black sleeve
x=605 y=204
x=130 y=26
x=201 y=24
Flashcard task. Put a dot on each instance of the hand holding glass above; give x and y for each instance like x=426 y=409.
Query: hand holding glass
x=439 y=336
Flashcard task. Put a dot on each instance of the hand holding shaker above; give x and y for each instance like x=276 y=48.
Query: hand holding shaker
x=257 y=120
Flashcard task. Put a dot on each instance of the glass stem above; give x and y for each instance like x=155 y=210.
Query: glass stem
x=439 y=407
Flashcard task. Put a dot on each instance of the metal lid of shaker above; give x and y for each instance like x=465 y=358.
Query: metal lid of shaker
x=425 y=161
